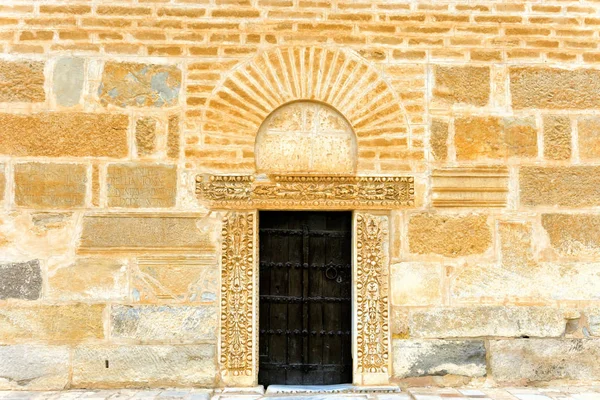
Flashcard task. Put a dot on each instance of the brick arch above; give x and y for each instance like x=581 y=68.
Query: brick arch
x=337 y=77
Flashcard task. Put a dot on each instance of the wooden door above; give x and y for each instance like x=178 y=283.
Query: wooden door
x=305 y=298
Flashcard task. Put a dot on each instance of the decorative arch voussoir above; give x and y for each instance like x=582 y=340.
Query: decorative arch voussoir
x=337 y=77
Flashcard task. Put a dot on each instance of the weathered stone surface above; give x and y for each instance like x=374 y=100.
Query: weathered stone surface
x=416 y=284
x=64 y=134
x=173 y=135
x=470 y=85
x=557 y=137
x=399 y=319
x=525 y=281
x=573 y=234
x=93 y=279
x=306 y=137
x=139 y=85
x=145 y=136
x=560 y=186
x=165 y=323
x=516 y=250
x=544 y=88
x=21 y=280
x=413 y=358
x=176 y=279
x=589 y=138
x=67 y=81
x=537 y=360
x=141 y=185
x=478 y=138
x=46 y=185
x=439 y=138
x=34 y=367
x=593 y=316
x=155 y=232
x=2 y=181
x=520 y=136
x=482 y=321
x=449 y=235
x=142 y=366
x=70 y=322
x=22 y=81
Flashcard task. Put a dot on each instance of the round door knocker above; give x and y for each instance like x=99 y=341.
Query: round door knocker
x=331 y=273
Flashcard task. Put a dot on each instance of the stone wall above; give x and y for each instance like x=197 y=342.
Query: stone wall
x=109 y=263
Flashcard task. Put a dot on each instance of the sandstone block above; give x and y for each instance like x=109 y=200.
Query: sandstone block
x=449 y=235
x=62 y=323
x=22 y=81
x=143 y=366
x=141 y=185
x=560 y=186
x=525 y=281
x=573 y=234
x=469 y=187
x=67 y=81
x=21 y=280
x=34 y=367
x=483 y=321
x=593 y=316
x=516 y=249
x=520 y=136
x=145 y=136
x=494 y=138
x=64 y=134
x=439 y=138
x=176 y=279
x=557 y=137
x=413 y=358
x=470 y=85
x=416 y=284
x=589 y=138
x=45 y=185
x=165 y=233
x=173 y=137
x=165 y=323
x=140 y=85
x=92 y=279
x=2 y=182
x=399 y=319
x=543 y=360
x=534 y=87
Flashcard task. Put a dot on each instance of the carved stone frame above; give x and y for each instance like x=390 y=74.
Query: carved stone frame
x=369 y=199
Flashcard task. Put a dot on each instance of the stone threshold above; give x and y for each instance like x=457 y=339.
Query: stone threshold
x=325 y=389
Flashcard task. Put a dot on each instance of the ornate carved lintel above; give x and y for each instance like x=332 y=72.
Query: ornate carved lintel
x=371 y=271
x=238 y=292
x=306 y=192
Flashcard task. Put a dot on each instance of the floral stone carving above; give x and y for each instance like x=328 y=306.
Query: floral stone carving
x=307 y=191
x=372 y=304
x=237 y=297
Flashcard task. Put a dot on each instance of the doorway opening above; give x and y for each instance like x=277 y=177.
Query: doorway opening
x=305 y=315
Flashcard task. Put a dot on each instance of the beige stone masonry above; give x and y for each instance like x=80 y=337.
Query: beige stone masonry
x=64 y=135
x=45 y=185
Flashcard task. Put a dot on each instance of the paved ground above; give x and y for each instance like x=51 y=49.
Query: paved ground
x=573 y=393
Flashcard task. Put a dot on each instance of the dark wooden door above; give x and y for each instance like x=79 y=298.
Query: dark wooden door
x=305 y=298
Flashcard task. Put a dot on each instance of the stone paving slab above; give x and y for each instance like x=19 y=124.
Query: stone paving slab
x=566 y=393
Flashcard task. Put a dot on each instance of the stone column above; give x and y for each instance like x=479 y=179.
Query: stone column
x=371 y=334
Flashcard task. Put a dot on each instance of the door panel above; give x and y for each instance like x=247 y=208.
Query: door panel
x=305 y=304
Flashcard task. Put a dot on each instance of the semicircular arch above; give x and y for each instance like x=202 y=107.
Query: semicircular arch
x=254 y=89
